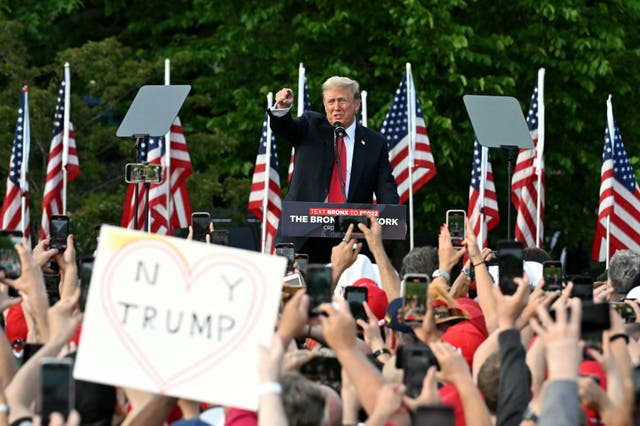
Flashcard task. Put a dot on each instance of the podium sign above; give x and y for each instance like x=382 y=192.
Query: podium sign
x=314 y=219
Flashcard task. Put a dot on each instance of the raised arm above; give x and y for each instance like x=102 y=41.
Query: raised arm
x=388 y=276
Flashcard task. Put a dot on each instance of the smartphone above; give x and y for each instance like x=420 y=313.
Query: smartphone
x=302 y=260
x=9 y=259
x=318 y=280
x=415 y=359
x=286 y=250
x=59 y=231
x=220 y=237
x=142 y=173
x=595 y=319
x=56 y=387
x=457 y=225
x=413 y=289
x=582 y=288
x=354 y=297
x=291 y=284
x=85 y=270
x=343 y=222
x=200 y=224
x=427 y=415
x=553 y=275
x=52 y=286
x=293 y=280
x=626 y=312
x=510 y=265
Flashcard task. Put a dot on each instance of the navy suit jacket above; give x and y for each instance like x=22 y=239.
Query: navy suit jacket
x=312 y=136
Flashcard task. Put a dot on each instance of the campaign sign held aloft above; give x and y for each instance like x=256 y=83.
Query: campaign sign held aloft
x=177 y=317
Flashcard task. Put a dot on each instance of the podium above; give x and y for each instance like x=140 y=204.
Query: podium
x=317 y=219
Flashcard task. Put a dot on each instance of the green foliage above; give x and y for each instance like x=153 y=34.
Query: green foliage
x=233 y=54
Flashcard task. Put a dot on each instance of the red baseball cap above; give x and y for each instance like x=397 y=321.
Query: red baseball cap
x=16 y=329
x=376 y=297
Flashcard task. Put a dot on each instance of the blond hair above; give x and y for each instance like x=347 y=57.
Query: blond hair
x=337 y=82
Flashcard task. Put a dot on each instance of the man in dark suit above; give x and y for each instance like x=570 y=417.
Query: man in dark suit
x=367 y=170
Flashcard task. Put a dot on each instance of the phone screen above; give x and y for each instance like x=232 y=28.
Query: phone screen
x=220 y=237
x=84 y=274
x=286 y=250
x=414 y=297
x=343 y=223
x=582 y=288
x=59 y=231
x=553 y=275
x=9 y=259
x=510 y=265
x=318 y=281
x=595 y=319
x=355 y=296
x=626 y=312
x=457 y=226
x=415 y=360
x=302 y=260
x=57 y=390
x=200 y=224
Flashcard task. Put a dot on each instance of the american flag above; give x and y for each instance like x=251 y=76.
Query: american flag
x=619 y=198
x=524 y=184
x=274 y=199
x=153 y=152
x=492 y=217
x=307 y=107
x=395 y=128
x=52 y=202
x=17 y=185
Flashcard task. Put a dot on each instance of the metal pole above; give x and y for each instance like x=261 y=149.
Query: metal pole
x=267 y=179
x=411 y=123
x=65 y=134
x=540 y=154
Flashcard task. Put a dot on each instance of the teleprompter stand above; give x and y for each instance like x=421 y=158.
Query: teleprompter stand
x=150 y=115
x=498 y=122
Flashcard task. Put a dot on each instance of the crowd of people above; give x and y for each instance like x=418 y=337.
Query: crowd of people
x=477 y=357
x=461 y=351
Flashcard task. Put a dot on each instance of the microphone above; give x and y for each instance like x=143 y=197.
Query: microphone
x=338 y=128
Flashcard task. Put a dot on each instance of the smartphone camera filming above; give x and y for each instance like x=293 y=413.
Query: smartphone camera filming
x=9 y=259
x=200 y=222
x=457 y=226
x=56 y=388
x=413 y=289
x=510 y=265
x=318 y=280
x=355 y=296
x=59 y=231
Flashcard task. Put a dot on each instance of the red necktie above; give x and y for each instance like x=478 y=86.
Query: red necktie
x=335 y=189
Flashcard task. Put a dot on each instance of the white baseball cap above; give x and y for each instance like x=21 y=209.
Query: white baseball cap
x=634 y=293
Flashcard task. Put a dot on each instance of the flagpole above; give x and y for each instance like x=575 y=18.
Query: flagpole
x=363 y=107
x=484 y=155
x=267 y=179
x=301 y=79
x=613 y=147
x=540 y=152
x=65 y=134
x=167 y=153
x=411 y=103
x=25 y=161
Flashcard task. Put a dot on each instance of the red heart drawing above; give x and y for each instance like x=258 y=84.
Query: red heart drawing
x=180 y=286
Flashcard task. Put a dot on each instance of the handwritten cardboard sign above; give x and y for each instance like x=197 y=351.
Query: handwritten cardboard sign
x=176 y=317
